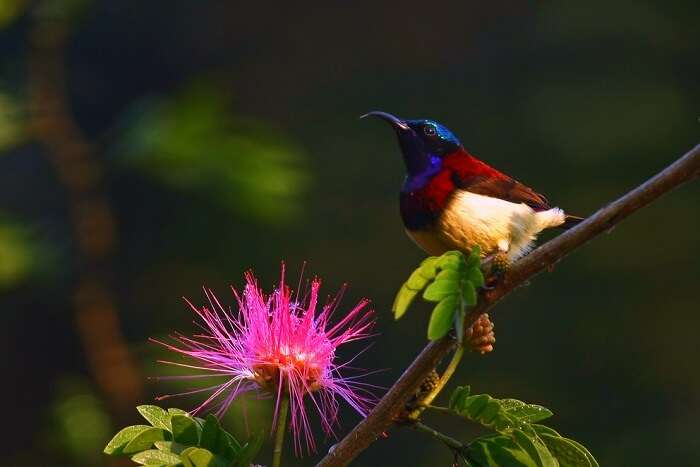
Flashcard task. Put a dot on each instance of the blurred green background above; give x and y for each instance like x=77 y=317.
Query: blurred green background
x=148 y=148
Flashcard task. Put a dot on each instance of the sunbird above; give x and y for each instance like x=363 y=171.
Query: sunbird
x=450 y=200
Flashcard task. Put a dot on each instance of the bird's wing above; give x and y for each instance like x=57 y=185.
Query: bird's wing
x=472 y=175
x=506 y=189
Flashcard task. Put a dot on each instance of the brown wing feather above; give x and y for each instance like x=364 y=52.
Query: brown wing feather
x=504 y=188
x=475 y=176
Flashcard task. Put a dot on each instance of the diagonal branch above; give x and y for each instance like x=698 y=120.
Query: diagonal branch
x=367 y=431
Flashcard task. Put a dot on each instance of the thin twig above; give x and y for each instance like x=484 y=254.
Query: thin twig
x=368 y=430
x=448 y=440
x=446 y=375
x=439 y=408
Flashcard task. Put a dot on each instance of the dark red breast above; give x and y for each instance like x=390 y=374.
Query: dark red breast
x=421 y=207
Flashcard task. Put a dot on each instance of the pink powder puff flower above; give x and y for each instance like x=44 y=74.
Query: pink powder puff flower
x=281 y=347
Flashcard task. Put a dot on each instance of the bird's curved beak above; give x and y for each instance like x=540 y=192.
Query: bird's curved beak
x=412 y=148
x=396 y=122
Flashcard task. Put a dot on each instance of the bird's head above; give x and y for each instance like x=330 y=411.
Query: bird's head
x=423 y=142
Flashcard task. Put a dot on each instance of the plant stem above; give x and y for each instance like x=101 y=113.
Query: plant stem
x=279 y=433
x=446 y=375
x=438 y=408
x=449 y=441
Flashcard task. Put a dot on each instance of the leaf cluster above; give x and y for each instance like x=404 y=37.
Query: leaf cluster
x=175 y=438
x=451 y=281
x=249 y=167
x=519 y=441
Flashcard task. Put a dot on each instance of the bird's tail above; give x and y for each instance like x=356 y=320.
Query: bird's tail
x=570 y=221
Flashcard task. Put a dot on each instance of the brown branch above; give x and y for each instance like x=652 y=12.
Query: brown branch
x=683 y=170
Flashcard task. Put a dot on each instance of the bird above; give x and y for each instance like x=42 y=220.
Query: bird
x=450 y=200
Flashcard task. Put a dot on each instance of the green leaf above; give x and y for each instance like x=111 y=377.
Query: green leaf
x=210 y=433
x=217 y=440
x=475 y=276
x=198 y=457
x=504 y=423
x=535 y=448
x=483 y=409
x=228 y=446
x=174 y=411
x=428 y=268
x=458 y=397
x=170 y=446
x=490 y=411
x=155 y=457
x=474 y=258
x=442 y=318
x=156 y=416
x=529 y=413
x=497 y=451
x=541 y=429
x=185 y=429
x=456 y=253
x=451 y=260
x=116 y=445
x=403 y=300
x=234 y=442
x=416 y=281
x=591 y=459
x=448 y=274
x=567 y=453
x=589 y=456
x=440 y=278
x=145 y=440
x=473 y=405
x=250 y=450
x=468 y=293
x=440 y=289
x=502 y=415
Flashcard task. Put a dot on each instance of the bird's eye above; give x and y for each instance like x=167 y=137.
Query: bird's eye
x=429 y=130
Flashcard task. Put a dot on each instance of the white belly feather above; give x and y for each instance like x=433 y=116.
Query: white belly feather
x=493 y=224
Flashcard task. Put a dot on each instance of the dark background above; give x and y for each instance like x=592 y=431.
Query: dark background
x=152 y=147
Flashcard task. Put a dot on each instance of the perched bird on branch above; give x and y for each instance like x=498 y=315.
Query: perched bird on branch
x=450 y=200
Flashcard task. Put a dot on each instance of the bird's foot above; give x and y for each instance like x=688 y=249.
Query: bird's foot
x=480 y=336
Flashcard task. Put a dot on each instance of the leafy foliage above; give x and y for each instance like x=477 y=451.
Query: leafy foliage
x=12 y=114
x=518 y=441
x=10 y=10
x=192 y=142
x=174 y=438
x=451 y=280
x=23 y=254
